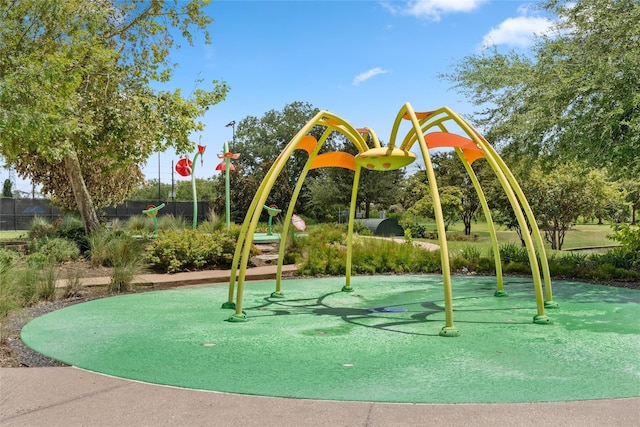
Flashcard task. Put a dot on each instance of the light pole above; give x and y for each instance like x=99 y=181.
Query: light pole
x=226 y=166
x=159 y=187
x=232 y=124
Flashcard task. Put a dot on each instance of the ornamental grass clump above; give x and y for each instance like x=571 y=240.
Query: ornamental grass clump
x=125 y=256
x=10 y=298
x=139 y=225
x=99 y=247
x=170 y=222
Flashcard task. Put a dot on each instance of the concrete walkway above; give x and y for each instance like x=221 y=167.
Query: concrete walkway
x=73 y=397
x=186 y=279
x=52 y=397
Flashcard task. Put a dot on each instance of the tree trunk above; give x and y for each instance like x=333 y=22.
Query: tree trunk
x=561 y=235
x=554 y=244
x=82 y=196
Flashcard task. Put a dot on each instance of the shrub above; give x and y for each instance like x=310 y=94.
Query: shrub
x=39 y=228
x=213 y=222
x=327 y=233
x=486 y=265
x=460 y=237
x=360 y=228
x=511 y=252
x=37 y=260
x=610 y=272
x=417 y=230
x=459 y=262
x=323 y=255
x=619 y=257
x=56 y=249
x=184 y=250
x=628 y=236
x=25 y=281
x=72 y=228
x=558 y=267
x=517 y=268
x=7 y=257
x=471 y=253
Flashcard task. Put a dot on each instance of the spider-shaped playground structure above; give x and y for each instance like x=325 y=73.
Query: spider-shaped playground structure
x=428 y=130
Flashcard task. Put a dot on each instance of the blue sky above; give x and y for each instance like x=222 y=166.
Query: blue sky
x=361 y=60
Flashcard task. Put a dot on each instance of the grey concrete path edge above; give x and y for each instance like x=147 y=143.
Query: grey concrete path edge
x=73 y=397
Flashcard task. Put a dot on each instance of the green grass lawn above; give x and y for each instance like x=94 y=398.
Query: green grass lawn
x=582 y=235
x=12 y=235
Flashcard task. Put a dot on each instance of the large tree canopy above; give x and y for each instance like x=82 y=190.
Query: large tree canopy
x=575 y=95
x=259 y=141
x=78 y=113
x=330 y=189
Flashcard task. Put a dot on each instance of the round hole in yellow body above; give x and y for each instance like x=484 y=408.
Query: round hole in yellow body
x=385 y=159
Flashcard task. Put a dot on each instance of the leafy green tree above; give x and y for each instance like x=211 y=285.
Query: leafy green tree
x=379 y=188
x=450 y=171
x=573 y=96
x=149 y=191
x=7 y=188
x=607 y=197
x=332 y=187
x=205 y=189
x=328 y=193
x=632 y=190
x=557 y=199
x=450 y=202
x=78 y=113
x=183 y=191
x=259 y=141
x=414 y=188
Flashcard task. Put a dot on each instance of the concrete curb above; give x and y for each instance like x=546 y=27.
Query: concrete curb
x=70 y=397
x=188 y=278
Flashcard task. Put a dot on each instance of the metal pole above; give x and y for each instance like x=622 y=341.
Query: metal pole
x=159 y=200
x=232 y=124
x=227 y=193
x=227 y=162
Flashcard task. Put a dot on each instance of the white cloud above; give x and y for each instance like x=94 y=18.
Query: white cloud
x=363 y=77
x=517 y=31
x=433 y=9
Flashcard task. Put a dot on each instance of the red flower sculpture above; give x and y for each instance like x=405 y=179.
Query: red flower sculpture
x=229 y=155
x=183 y=167
x=223 y=167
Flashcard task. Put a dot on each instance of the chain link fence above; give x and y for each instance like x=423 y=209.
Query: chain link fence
x=17 y=214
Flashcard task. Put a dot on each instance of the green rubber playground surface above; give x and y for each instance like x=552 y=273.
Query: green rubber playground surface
x=378 y=343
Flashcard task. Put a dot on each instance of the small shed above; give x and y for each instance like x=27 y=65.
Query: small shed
x=383 y=226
